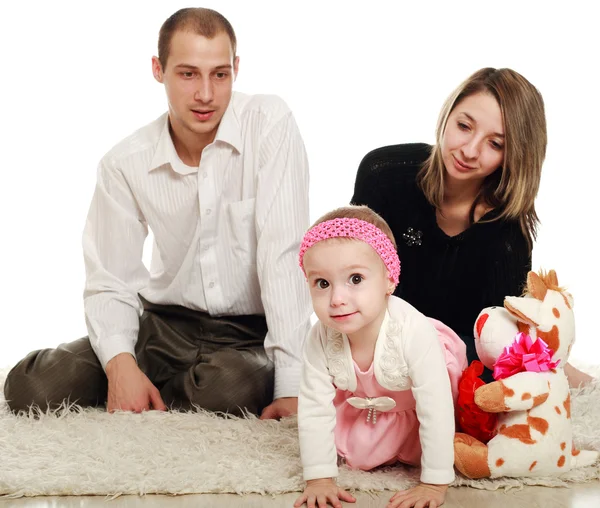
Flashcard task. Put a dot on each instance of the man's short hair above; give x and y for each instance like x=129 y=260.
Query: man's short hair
x=199 y=20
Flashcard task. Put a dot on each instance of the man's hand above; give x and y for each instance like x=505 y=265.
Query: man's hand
x=128 y=387
x=285 y=406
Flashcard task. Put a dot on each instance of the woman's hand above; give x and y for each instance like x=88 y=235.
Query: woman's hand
x=576 y=377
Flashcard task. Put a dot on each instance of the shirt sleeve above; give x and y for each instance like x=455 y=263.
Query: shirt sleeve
x=386 y=178
x=113 y=242
x=433 y=395
x=282 y=218
x=368 y=189
x=316 y=412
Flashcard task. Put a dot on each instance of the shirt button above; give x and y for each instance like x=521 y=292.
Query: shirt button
x=205 y=248
x=211 y=285
x=208 y=211
x=204 y=175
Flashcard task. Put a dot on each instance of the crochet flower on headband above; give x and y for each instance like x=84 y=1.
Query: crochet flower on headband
x=359 y=229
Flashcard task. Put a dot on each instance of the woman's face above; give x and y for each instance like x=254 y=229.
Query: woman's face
x=473 y=142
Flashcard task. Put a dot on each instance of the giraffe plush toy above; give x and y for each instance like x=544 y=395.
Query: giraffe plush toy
x=531 y=392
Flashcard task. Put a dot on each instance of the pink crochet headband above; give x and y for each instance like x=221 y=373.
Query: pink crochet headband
x=359 y=229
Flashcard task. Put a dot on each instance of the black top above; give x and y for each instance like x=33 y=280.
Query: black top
x=450 y=278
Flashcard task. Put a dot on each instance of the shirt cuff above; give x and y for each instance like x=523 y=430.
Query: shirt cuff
x=437 y=476
x=317 y=472
x=106 y=349
x=287 y=381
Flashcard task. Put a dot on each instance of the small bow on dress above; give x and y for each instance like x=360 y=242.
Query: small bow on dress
x=373 y=404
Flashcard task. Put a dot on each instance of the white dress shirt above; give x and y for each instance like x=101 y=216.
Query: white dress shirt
x=408 y=356
x=226 y=233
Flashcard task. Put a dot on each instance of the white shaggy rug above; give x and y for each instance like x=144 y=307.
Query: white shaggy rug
x=87 y=451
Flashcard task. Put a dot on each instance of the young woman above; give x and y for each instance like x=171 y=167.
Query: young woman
x=463 y=210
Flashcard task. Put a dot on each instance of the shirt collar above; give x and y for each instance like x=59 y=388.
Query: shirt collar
x=166 y=154
x=229 y=132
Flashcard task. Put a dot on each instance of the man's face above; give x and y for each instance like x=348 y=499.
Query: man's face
x=198 y=78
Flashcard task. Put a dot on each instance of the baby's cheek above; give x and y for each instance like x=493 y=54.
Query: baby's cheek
x=320 y=305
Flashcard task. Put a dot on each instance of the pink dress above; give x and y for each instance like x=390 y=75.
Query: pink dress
x=395 y=434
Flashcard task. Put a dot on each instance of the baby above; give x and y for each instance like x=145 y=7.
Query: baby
x=379 y=377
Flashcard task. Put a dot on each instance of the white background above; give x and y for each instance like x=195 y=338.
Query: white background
x=76 y=78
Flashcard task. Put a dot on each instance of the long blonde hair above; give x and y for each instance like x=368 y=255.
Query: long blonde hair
x=513 y=187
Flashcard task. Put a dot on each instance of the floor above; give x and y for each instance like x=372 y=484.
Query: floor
x=579 y=496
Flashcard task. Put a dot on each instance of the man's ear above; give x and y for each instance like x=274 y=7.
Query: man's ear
x=157 y=70
x=236 y=66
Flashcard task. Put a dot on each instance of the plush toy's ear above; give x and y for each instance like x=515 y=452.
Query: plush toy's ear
x=525 y=310
x=552 y=278
x=569 y=298
x=536 y=286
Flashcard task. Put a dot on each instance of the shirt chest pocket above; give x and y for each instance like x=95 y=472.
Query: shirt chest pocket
x=240 y=218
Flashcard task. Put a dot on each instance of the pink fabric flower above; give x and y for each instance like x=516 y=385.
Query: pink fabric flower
x=524 y=355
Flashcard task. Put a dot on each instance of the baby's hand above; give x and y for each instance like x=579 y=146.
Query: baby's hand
x=421 y=496
x=319 y=492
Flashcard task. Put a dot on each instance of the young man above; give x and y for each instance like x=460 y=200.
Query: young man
x=222 y=182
